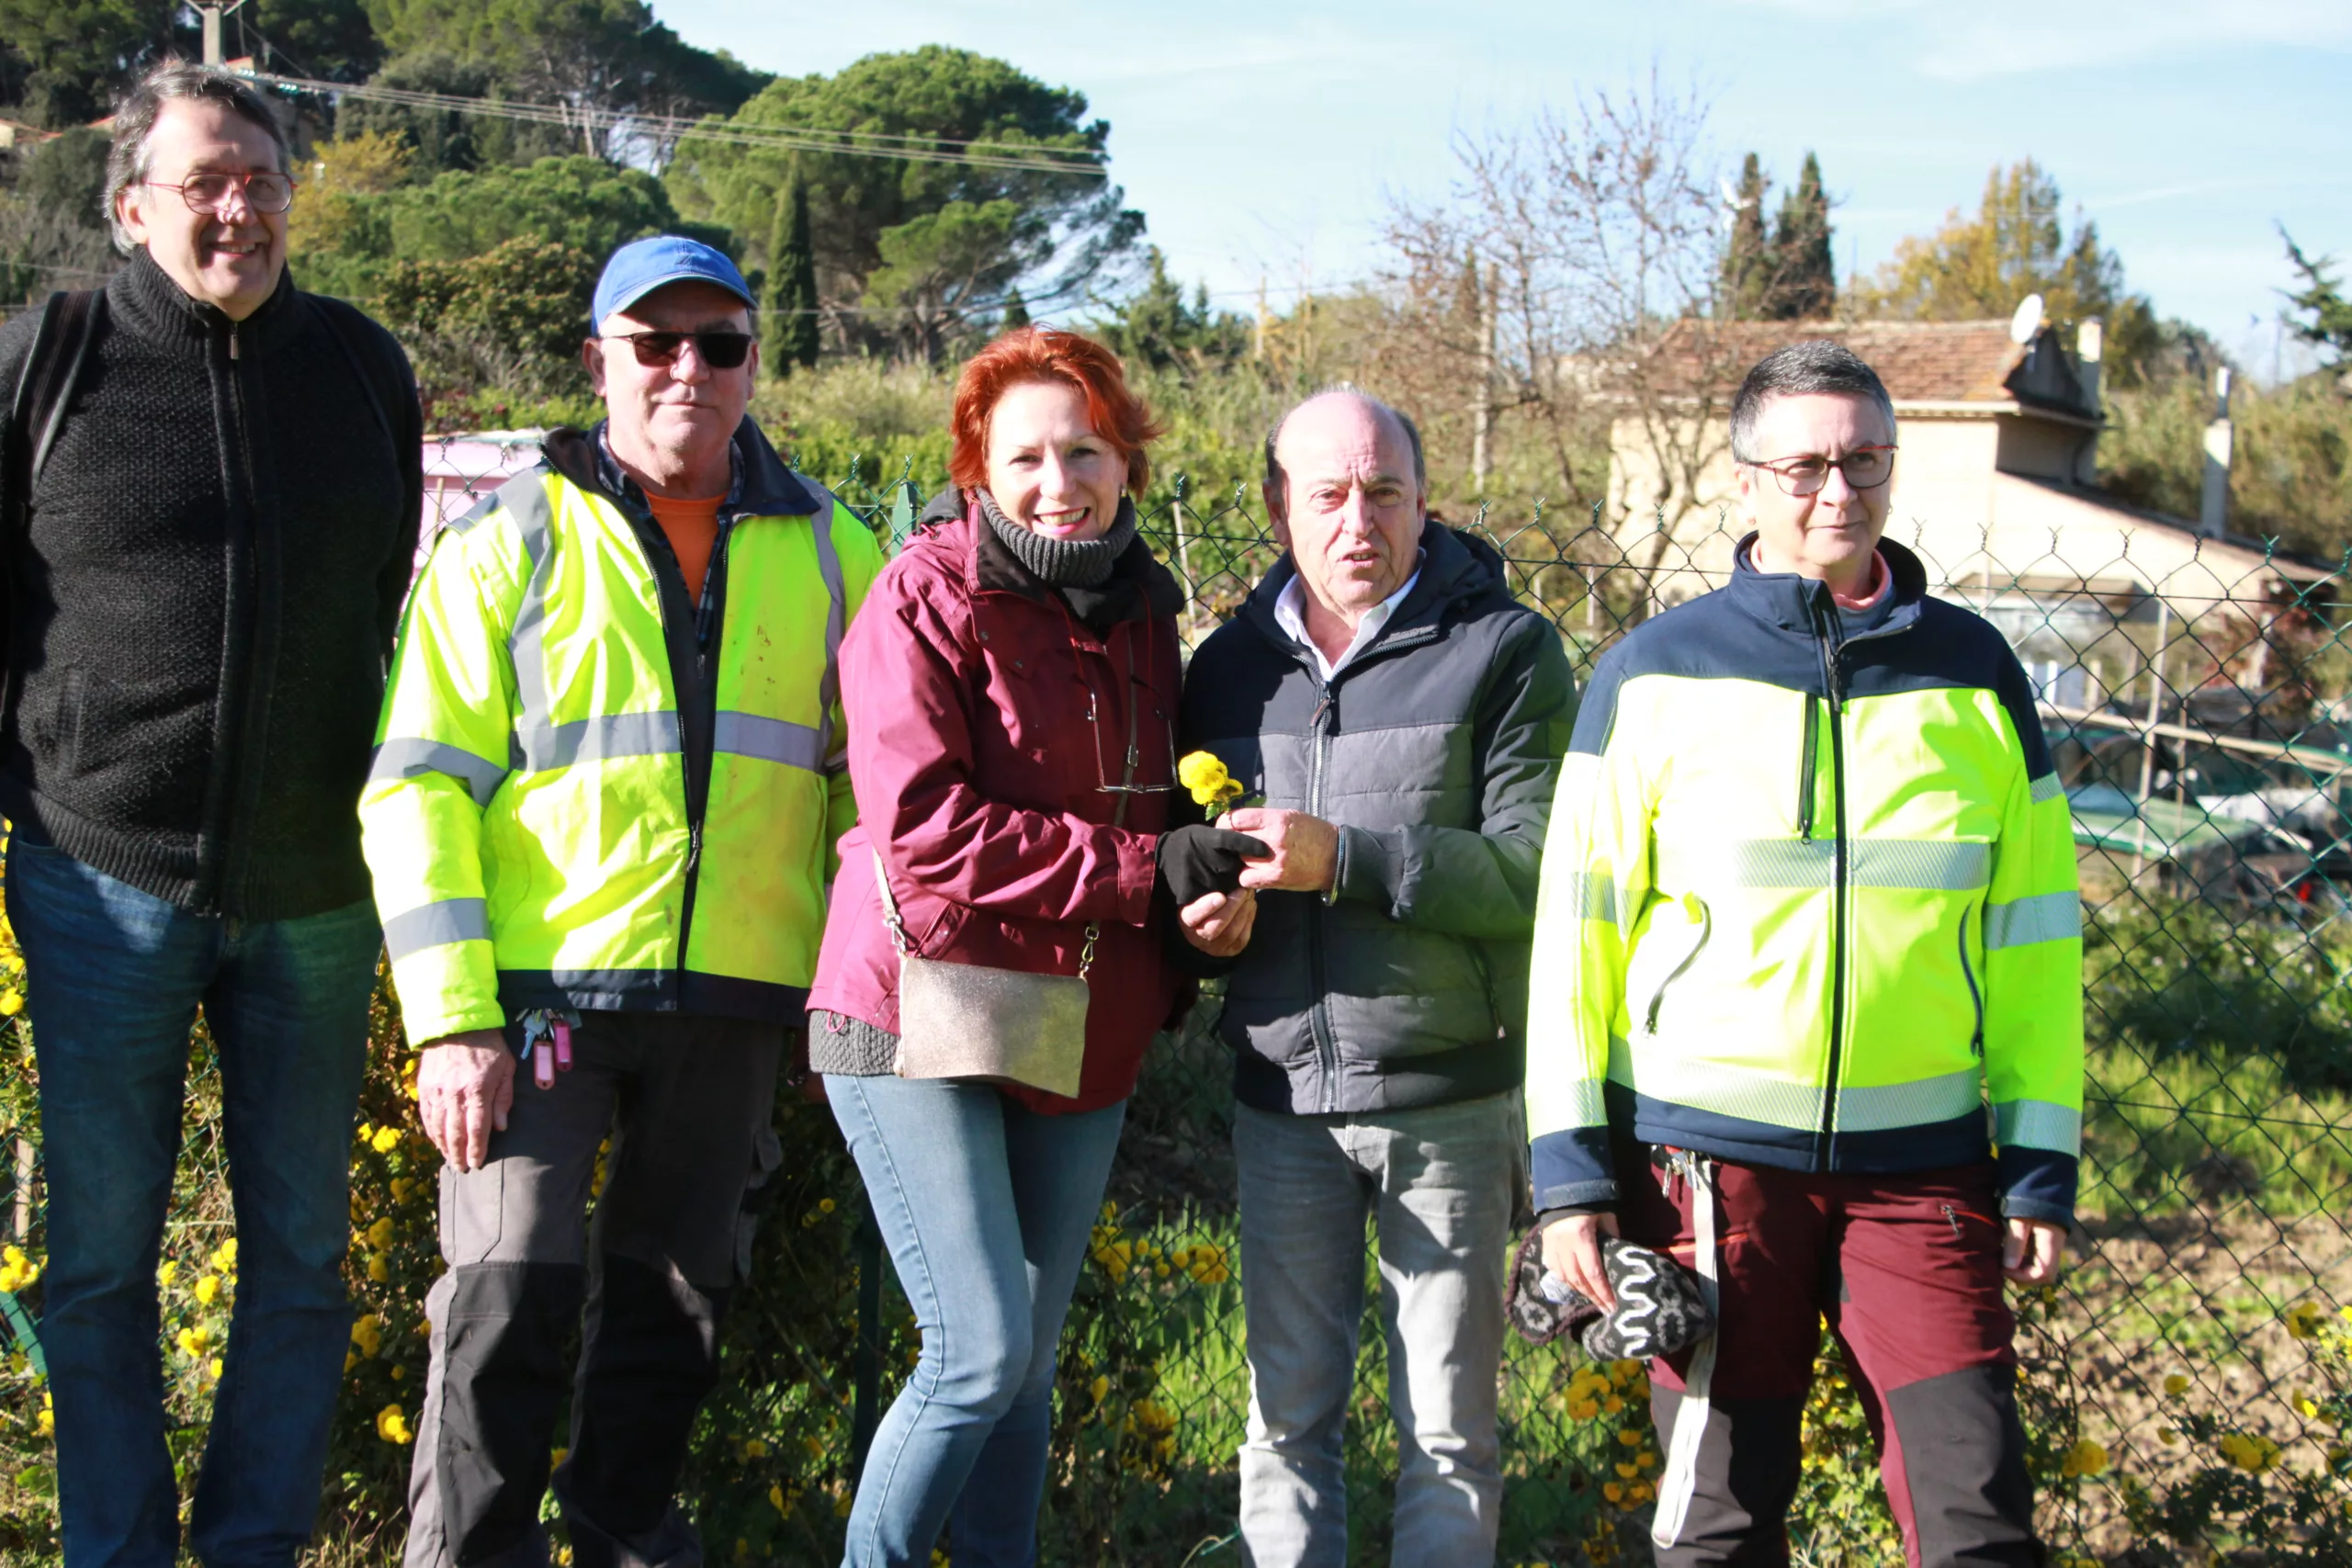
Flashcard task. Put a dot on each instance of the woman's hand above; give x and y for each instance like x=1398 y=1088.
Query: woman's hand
x=1219 y=923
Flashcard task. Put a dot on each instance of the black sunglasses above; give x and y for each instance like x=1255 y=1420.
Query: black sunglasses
x=720 y=350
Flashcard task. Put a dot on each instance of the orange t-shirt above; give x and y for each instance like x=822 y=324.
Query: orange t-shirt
x=692 y=527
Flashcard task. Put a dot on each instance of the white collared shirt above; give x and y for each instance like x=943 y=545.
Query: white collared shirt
x=1290 y=614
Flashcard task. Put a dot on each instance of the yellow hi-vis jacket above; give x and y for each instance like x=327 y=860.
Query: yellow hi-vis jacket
x=1809 y=900
x=591 y=793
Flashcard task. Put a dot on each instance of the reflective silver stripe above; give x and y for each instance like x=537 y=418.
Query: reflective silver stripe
x=770 y=739
x=534 y=517
x=407 y=758
x=1781 y=862
x=1594 y=896
x=2047 y=788
x=2045 y=917
x=1941 y=864
x=593 y=740
x=436 y=925
x=2038 y=1124
x=1916 y=863
x=1921 y=1104
x=1709 y=1086
x=471 y=517
x=829 y=566
x=1753 y=1097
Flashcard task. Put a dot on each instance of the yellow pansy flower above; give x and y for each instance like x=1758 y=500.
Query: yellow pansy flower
x=1203 y=773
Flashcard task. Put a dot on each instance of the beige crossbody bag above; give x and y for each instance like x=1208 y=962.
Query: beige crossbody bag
x=980 y=1024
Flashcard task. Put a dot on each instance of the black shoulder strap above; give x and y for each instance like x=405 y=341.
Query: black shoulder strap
x=68 y=323
x=36 y=412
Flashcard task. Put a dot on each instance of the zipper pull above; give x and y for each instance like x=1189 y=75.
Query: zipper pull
x=232 y=340
x=1953 y=1221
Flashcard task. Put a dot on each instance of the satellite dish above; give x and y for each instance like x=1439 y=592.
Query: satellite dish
x=2027 y=321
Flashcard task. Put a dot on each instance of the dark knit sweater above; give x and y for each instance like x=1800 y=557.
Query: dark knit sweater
x=203 y=599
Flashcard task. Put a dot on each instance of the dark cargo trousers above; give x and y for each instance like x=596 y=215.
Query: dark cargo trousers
x=686 y=1102
x=1906 y=1271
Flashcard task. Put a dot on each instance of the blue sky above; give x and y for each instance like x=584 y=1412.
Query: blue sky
x=1262 y=140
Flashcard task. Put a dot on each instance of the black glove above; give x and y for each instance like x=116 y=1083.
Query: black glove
x=1198 y=860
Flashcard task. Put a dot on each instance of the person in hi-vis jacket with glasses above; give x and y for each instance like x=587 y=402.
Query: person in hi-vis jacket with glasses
x=1807 y=1004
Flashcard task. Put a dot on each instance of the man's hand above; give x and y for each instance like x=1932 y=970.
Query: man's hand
x=2034 y=1249
x=1572 y=1250
x=1307 y=849
x=465 y=1086
x=1219 y=923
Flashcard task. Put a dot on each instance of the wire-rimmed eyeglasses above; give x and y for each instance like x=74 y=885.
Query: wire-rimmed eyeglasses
x=264 y=192
x=1126 y=785
x=1865 y=467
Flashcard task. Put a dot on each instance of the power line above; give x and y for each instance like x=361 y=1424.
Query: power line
x=979 y=154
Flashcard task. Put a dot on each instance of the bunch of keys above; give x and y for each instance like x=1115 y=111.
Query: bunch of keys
x=547 y=1040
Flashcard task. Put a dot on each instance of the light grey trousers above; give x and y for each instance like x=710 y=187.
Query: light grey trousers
x=1440 y=1186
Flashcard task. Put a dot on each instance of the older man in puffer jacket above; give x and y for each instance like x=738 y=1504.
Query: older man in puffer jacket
x=1401 y=719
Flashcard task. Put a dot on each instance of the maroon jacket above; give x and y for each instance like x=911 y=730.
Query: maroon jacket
x=968 y=684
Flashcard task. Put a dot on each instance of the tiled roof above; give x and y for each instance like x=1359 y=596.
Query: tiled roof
x=1926 y=361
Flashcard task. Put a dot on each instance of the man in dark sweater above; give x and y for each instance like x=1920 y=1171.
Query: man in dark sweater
x=204 y=575
x=1402 y=719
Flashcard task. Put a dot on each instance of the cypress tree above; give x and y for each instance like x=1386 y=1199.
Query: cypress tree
x=1804 y=272
x=789 y=333
x=1747 y=261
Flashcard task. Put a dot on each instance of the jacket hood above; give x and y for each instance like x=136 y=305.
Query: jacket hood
x=1457 y=569
x=1794 y=603
x=761 y=486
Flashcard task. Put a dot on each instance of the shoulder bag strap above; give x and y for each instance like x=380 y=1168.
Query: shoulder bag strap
x=69 y=320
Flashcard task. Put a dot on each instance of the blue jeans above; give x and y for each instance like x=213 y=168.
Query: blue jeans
x=1438 y=1184
x=987 y=1208
x=114 y=979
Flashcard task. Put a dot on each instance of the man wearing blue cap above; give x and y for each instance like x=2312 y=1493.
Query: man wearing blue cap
x=608 y=780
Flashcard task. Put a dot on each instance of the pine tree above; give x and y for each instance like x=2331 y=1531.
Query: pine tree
x=789 y=333
x=1016 y=311
x=1804 y=272
x=1747 y=261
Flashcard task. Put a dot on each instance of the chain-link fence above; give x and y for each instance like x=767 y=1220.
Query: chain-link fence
x=2185 y=1385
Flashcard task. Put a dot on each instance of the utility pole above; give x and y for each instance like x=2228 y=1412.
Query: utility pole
x=2213 y=511
x=1482 y=413
x=212 y=11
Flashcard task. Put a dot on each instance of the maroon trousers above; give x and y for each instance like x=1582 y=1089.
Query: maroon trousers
x=1907 y=1270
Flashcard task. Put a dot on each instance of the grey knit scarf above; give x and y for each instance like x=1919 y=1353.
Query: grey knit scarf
x=1064 y=563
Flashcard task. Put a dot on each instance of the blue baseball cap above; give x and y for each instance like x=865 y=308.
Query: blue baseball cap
x=639 y=267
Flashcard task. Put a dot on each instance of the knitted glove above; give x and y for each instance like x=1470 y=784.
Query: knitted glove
x=1198 y=860
x=1659 y=1308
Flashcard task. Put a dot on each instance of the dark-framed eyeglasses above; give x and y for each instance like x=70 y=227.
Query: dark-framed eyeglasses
x=1865 y=467
x=720 y=350
x=207 y=192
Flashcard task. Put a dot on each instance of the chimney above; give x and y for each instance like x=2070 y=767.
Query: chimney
x=2214 y=516
x=2090 y=343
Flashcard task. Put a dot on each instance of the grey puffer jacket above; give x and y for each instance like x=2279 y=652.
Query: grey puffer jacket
x=1435 y=752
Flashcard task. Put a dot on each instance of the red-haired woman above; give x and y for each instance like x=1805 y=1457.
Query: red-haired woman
x=1010 y=685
